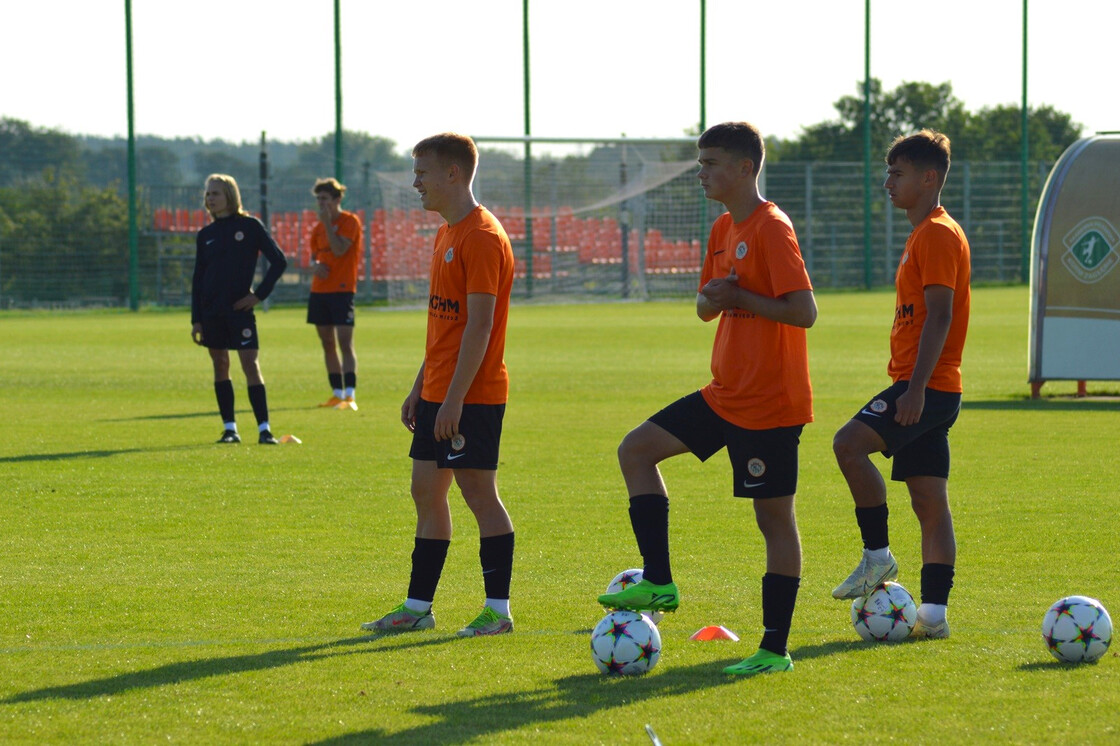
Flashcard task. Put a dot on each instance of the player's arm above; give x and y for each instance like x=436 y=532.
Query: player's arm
x=796 y=308
x=337 y=243
x=472 y=349
x=408 y=409
x=277 y=263
x=935 y=330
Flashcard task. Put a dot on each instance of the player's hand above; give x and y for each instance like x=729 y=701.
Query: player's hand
x=721 y=292
x=447 y=420
x=909 y=406
x=196 y=333
x=321 y=270
x=246 y=303
x=408 y=410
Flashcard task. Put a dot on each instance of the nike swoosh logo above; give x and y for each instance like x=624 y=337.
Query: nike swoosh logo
x=869 y=413
x=212 y=240
x=452 y=457
x=247 y=341
x=749 y=485
x=718 y=252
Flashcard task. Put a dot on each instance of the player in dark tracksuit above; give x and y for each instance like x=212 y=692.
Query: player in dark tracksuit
x=222 y=298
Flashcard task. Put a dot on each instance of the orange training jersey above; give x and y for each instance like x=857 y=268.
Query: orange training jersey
x=343 y=277
x=472 y=256
x=936 y=253
x=760 y=368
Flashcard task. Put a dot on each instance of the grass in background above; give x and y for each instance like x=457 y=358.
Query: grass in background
x=155 y=586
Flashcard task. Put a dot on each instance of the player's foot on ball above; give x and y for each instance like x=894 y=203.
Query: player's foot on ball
x=347 y=403
x=489 y=622
x=334 y=401
x=229 y=436
x=763 y=661
x=867 y=575
x=402 y=619
x=930 y=631
x=267 y=439
x=643 y=596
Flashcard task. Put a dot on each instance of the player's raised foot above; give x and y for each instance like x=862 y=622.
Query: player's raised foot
x=334 y=401
x=930 y=631
x=763 y=661
x=229 y=436
x=267 y=439
x=402 y=619
x=643 y=596
x=347 y=403
x=867 y=575
x=489 y=622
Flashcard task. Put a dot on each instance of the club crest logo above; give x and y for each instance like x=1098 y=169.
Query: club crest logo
x=1091 y=249
x=449 y=255
x=878 y=406
x=239 y=236
x=756 y=467
x=741 y=250
x=246 y=333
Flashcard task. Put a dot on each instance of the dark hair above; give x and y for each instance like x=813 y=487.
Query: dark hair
x=450 y=147
x=925 y=149
x=329 y=185
x=740 y=138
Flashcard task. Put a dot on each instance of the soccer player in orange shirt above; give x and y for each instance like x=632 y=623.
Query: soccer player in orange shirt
x=457 y=402
x=910 y=420
x=336 y=245
x=759 y=399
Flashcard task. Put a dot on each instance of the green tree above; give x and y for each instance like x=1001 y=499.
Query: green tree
x=26 y=151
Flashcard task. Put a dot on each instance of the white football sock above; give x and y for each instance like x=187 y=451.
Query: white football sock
x=500 y=605
x=932 y=614
x=415 y=604
x=878 y=555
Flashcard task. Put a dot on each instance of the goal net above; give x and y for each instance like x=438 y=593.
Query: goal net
x=619 y=218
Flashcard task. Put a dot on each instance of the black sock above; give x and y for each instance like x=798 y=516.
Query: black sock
x=649 y=517
x=873 y=526
x=495 y=553
x=351 y=379
x=259 y=400
x=428 y=556
x=779 y=595
x=335 y=380
x=224 y=391
x=937 y=580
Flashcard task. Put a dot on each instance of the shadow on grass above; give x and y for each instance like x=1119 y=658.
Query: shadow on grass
x=195 y=415
x=568 y=698
x=192 y=670
x=104 y=453
x=1052 y=404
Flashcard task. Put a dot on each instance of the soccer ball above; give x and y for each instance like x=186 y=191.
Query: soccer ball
x=886 y=614
x=624 y=580
x=1077 y=629
x=625 y=642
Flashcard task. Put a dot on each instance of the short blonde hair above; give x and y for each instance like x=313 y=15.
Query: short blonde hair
x=329 y=185
x=229 y=186
x=450 y=147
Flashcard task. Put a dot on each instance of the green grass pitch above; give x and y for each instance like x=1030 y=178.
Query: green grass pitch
x=156 y=587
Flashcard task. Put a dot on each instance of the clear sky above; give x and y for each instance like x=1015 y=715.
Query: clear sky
x=232 y=68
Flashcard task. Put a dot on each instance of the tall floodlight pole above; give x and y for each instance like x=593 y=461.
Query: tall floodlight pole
x=528 y=152
x=867 y=143
x=1024 y=214
x=133 y=238
x=703 y=65
x=337 y=92
x=703 y=116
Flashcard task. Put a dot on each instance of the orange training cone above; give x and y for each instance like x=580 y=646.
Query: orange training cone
x=715 y=632
x=289 y=439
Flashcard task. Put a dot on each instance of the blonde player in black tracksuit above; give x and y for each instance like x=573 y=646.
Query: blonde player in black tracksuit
x=222 y=298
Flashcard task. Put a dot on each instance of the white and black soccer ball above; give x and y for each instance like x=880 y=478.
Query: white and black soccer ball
x=886 y=614
x=624 y=580
x=625 y=643
x=1077 y=629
